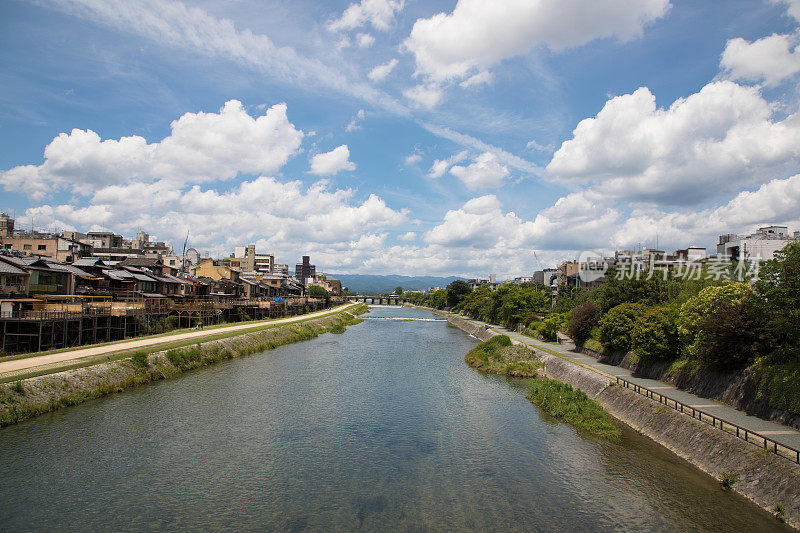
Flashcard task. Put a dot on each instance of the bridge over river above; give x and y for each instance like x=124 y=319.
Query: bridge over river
x=381 y=300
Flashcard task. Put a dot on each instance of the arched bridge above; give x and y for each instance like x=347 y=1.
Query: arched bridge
x=387 y=300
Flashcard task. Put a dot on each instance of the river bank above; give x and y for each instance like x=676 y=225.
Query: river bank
x=769 y=481
x=33 y=396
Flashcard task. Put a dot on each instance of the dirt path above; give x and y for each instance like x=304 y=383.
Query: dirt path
x=16 y=365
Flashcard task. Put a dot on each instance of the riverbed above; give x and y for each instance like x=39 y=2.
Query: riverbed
x=382 y=427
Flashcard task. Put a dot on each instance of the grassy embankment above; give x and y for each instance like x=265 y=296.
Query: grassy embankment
x=499 y=356
x=30 y=397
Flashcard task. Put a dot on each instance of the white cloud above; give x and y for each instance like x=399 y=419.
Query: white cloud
x=201 y=147
x=381 y=72
x=287 y=217
x=408 y=236
x=365 y=40
x=485 y=171
x=412 y=159
x=440 y=166
x=478 y=34
x=379 y=13
x=333 y=162
x=533 y=145
x=792 y=7
x=709 y=144
x=770 y=59
x=481 y=78
x=355 y=122
x=424 y=95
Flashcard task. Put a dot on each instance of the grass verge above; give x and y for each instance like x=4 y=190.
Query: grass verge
x=499 y=356
x=573 y=406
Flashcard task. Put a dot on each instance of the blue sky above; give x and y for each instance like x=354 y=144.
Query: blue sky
x=488 y=129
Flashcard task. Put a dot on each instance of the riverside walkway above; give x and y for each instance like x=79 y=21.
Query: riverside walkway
x=53 y=362
x=779 y=433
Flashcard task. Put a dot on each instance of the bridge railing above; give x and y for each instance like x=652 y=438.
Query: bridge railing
x=752 y=437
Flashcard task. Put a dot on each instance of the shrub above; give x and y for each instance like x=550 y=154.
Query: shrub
x=655 y=335
x=700 y=306
x=729 y=479
x=581 y=322
x=18 y=387
x=614 y=329
x=732 y=335
x=548 y=330
x=140 y=359
x=337 y=328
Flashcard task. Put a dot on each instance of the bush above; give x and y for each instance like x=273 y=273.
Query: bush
x=732 y=335
x=655 y=335
x=700 y=306
x=337 y=328
x=729 y=479
x=581 y=322
x=615 y=328
x=18 y=387
x=140 y=359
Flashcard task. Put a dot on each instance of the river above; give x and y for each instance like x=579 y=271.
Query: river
x=382 y=427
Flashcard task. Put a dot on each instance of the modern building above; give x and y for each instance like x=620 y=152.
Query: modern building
x=250 y=261
x=50 y=245
x=6 y=225
x=547 y=276
x=305 y=271
x=490 y=282
x=760 y=245
x=691 y=254
x=103 y=239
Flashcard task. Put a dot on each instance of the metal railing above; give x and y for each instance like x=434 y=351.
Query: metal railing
x=752 y=437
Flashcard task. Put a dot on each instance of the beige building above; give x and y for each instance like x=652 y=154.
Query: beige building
x=47 y=245
x=208 y=268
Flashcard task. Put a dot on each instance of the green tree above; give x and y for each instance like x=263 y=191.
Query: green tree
x=581 y=322
x=456 y=292
x=655 y=335
x=398 y=291
x=315 y=291
x=615 y=328
x=733 y=334
x=700 y=306
x=779 y=288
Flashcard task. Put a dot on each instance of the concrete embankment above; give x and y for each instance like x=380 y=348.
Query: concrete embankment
x=30 y=397
x=765 y=479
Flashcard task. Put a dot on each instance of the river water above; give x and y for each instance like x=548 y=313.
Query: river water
x=382 y=427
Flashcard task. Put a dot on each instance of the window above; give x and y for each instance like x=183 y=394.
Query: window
x=41 y=247
x=26 y=246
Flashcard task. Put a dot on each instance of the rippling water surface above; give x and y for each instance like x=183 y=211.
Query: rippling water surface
x=383 y=427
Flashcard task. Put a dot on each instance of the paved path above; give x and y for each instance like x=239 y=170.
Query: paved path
x=18 y=366
x=778 y=432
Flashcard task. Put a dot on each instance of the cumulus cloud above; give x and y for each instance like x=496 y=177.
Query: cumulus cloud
x=770 y=59
x=287 y=217
x=426 y=96
x=201 y=147
x=709 y=144
x=333 y=162
x=379 y=13
x=485 y=171
x=408 y=236
x=440 y=166
x=478 y=34
x=381 y=72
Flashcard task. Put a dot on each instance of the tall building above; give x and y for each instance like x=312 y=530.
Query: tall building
x=305 y=270
x=760 y=245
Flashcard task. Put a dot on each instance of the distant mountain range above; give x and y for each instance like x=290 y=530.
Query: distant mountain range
x=371 y=284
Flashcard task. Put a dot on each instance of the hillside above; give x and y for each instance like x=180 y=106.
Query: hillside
x=373 y=284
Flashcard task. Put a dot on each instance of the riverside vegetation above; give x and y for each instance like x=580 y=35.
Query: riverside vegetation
x=499 y=356
x=30 y=397
x=700 y=332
